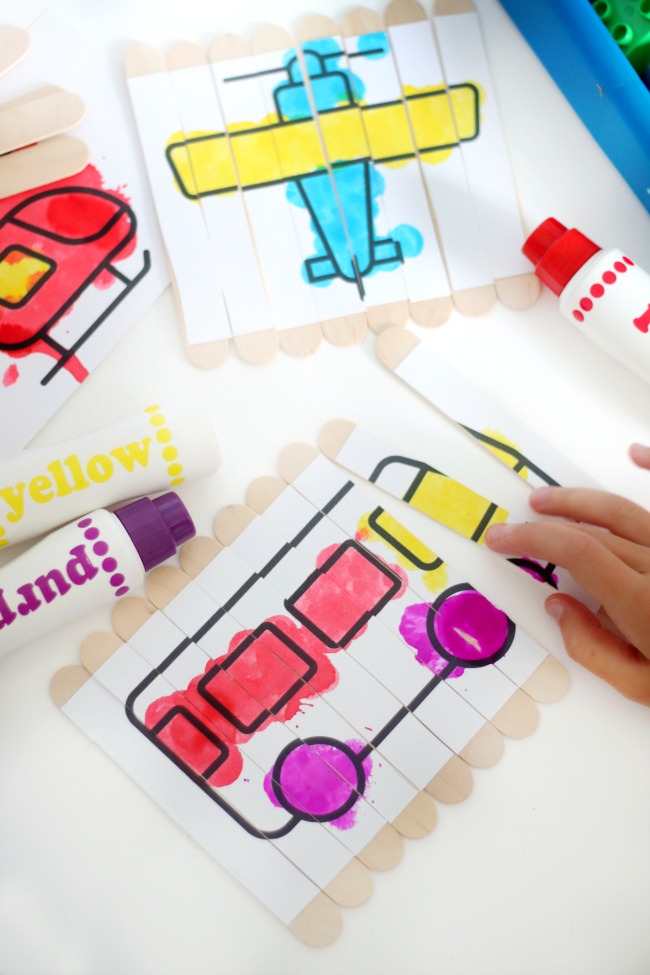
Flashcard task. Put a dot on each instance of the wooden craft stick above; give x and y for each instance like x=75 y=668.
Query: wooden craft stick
x=206 y=329
x=45 y=114
x=385 y=294
x=417 y=61
x=286 y=891
x=442 y=384
x=239 y=275
x=384 y=112
x=14 y=45
x=271 y=220
x=461 y=728
x=486 y=160
x=493 y=694
x=42 y=164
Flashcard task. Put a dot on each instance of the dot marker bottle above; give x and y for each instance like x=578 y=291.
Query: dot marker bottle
x=604 y=293
x=87 y=564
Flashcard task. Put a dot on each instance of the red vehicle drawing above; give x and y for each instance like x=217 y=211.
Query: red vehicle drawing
x=53 y=246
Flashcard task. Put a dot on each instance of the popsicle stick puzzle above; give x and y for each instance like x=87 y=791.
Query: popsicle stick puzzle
x=308 y=684
x=357 y=172
x=80 y=255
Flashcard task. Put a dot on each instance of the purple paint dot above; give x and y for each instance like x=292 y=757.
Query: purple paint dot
x=318 y=779
x=100 y=548
x=91 y=534
x=467 y=627
x=109 y=565
x=122 y=591
x=117 y=579
x=85 y=523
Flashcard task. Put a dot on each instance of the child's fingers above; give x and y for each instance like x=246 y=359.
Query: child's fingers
x=640 y=454
x=601 y=651
x=620 y=515
x=636 y=556
x=623 y=592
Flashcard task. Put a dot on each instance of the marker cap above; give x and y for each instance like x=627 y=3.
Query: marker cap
x=558 y=253
x=157 y=526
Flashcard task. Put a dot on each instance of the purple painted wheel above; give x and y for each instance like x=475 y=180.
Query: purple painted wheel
x=318 y=778
x=467 y=629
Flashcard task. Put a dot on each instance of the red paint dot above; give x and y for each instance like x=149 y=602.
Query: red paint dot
x=628 y=261
x=609 y=277
x=586 y=304
x=619 y=266
x=597 y=290
x=578 y=315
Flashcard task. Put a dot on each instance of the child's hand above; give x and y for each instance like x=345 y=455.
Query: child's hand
x=606 y=547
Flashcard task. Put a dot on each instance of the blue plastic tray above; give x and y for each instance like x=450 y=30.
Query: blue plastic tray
x=605 y=91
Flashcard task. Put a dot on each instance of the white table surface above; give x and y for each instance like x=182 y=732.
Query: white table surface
x=546 y=867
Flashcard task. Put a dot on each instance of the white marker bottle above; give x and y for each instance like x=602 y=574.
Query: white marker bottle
x=604 y=293
x=87 y=564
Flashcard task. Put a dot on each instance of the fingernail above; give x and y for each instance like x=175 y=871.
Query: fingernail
x=554 y=608
x=540 y=496
x=497 y=533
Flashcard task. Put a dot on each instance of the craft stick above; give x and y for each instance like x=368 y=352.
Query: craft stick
x=447 y=388
x=358 y=696
x=418 y=66
x=295 y=900
x=493 y=694
x=386 y=658
x=446 y=713
x=42 y=164
x=46 y=113
x=119 y=668
x=203 y=314
x=14 y=45
x=486 y=159
x=385 y=121
x=385 y=293
x=242 y=98
x=240 y=280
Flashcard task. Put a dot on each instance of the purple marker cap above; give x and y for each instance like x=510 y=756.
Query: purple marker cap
x=157 y=526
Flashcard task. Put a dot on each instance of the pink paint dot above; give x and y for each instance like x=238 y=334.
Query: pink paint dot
x=467 y=628
x=609 y=277
x=100 y=548
x=319 y=778
x=84 y=523
x=122 y=591
x=628 y=261
x=578 y=315
x=117 y=579
x=91 y=534
x=10 y=376
x=619 y=266
x=109 y=565
x=597 y=290
x=586 y=304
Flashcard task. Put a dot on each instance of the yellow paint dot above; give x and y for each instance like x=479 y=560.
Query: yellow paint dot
x=170 y=453
x=157 y=420
x=151 y=409
x=174 y=470
x=163 y=436
x=177 y=481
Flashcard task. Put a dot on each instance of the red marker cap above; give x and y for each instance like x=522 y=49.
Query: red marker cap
x=558 y=253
